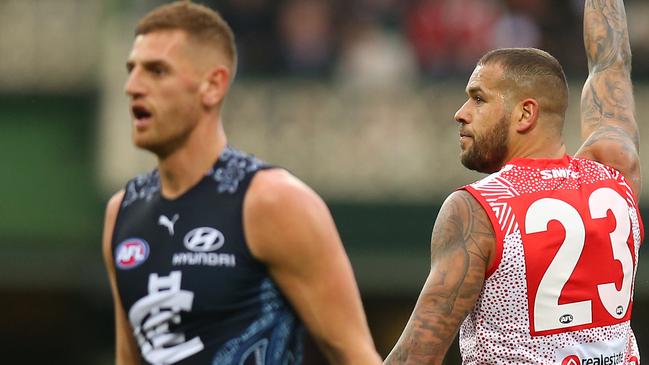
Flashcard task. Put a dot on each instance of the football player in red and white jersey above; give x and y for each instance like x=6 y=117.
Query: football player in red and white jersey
x=535 y=264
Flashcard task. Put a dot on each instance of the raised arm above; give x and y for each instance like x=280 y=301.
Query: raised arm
x=289 y=228
x=608 y=125
x=126 y=351
x=462 y=246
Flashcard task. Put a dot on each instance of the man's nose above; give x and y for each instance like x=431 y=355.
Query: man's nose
x=461 y=115
x=134 y=86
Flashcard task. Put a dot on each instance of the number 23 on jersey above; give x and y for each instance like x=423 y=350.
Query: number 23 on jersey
x=580 y=260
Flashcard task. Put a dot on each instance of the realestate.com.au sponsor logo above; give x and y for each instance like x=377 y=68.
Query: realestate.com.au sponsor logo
x=614 y=359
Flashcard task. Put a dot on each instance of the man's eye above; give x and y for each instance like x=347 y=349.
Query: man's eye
x=478 y=99
x=157 y=70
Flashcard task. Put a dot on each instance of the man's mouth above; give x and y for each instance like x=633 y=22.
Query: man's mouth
x=140 y=113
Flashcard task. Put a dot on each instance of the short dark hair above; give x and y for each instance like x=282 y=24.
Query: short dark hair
x=534 y=72
x=200 y=22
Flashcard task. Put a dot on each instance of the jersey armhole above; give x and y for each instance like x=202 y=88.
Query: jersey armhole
x=640 y=223
x=116 y=225
x=494 y=225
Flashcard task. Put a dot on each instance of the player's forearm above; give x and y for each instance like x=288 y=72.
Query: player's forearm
x=435 y=319
x=606 y=36
x=337 y=323
x=419 y=345
x=361 y=353
x=433 y=324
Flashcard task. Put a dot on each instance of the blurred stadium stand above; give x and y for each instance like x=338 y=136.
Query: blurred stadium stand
x=360 y=107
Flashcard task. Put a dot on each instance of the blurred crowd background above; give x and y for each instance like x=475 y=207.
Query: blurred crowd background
x=356 y=97
x=423 y=39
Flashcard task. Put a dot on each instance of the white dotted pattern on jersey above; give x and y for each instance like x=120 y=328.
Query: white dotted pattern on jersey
x=497 y=331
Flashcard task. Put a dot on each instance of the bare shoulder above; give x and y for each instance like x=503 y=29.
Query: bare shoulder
x=276 y=191
x=275 y=181
x=461 y=208
x=279 y=210
x=112 y=207
x=463 y=222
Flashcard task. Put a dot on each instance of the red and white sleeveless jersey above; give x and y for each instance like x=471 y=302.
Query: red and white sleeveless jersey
x=560 y=291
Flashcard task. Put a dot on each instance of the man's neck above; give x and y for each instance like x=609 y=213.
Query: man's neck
x=542 y=146
x=185 y=167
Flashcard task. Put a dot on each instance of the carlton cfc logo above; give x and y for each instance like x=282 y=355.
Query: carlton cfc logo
x=131 y=253
x=571 y=360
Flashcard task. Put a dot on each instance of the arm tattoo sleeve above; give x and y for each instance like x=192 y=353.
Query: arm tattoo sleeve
x=461 y=246
x=607 y=99
x=605 y=34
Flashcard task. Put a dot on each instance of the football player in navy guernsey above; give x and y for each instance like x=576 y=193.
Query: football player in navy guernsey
x=215 y=257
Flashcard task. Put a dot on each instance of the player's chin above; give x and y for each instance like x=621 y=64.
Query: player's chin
x=465 y=155
x=145 y=141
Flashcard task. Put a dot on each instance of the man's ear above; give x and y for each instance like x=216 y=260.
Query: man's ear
x=215 y=86
x=527 y=114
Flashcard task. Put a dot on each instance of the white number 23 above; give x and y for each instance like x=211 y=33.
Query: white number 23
x=548 y=313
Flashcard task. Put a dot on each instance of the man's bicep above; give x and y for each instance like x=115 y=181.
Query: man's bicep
x=290 y=229
x=608 y=126
x=459 y=256
x=608 y=123
x=614 y=145
x=607 y=102
x=462 y=245
x=463 y=224
x=607 y=97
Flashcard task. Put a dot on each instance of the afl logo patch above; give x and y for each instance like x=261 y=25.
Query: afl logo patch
x=131 y=253
x=566 y=318
x=204 y=239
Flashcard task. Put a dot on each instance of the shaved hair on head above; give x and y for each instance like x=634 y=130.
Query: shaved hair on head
x=202 y=24
x=532 y=73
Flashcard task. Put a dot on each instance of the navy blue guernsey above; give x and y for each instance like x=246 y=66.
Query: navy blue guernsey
x=190 y=287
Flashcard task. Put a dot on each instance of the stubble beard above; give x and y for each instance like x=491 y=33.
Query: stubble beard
x=487 y=153
x=163 y=147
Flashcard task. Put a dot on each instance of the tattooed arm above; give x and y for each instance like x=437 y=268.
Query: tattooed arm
x=608 y=125
x=462 y=246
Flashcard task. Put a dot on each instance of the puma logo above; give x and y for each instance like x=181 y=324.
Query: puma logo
x=169 y=223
